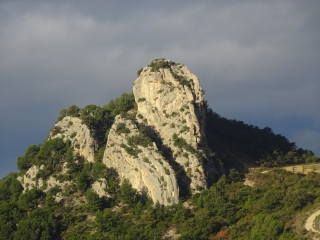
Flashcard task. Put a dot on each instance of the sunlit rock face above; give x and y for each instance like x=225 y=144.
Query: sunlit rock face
x=159 y=145
x=71 y=128
x=170 y=101
x=142 y=164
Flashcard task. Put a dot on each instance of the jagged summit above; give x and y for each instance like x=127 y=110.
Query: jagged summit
x=167 y=93
x=170 y=100
x=157 y=143
x=171 y=114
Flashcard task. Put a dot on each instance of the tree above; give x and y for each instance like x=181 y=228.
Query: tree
x=234 y=176
x=98 y=170
x=40 y=224
x=30 y=199
x=29 y=158
x=266 y=227
x=10 y=188
x=127 y=194
x=73 y=111
x=82 y=182
x=121 y=105
x=94 y=202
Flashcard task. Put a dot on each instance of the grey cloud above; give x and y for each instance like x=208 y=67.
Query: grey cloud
x=254 y=58
x=307 y=139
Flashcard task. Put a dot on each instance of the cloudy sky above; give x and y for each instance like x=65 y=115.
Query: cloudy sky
x=258 y=61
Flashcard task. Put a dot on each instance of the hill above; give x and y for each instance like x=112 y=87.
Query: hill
x=155 y=164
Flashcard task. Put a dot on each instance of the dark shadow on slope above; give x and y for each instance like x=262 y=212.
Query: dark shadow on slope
x=241 y=146
x=200 y=113
x=182 y=179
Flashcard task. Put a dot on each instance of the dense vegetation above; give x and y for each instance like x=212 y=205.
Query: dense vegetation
x=268 y=210
x=241 y=146
x=271 y=209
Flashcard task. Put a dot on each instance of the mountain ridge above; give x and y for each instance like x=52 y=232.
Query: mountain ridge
x=129 y=164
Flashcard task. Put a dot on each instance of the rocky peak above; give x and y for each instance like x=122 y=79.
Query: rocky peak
x=170 y=97
x=170 y=100
x=160 y=146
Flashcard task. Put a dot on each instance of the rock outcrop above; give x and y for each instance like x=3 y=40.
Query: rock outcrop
x=160 y=147
x=71 y=128
x=99 y=187
x=170 y=100
x=137 y=159
x=30 y=180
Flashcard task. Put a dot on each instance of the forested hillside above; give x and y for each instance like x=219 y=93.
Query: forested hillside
x=241 y=146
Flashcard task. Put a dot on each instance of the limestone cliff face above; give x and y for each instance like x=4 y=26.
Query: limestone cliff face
x=71 y=128
x=170 y=99
x=160 y=147
x=172 y=95
x=29 y=180
x=137 y=159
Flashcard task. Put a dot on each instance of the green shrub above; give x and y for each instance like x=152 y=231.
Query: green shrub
x=145 y=159
x=55 y=130
x=73 y=111
x=173 y=114
x=184 y=129
x=142 y=99
x=73 y=135
x=122 y=128
x=157 y=64
x=181 y=79
x=132 y=151
x=139 y=71
x=181 y=143
x=140 y=139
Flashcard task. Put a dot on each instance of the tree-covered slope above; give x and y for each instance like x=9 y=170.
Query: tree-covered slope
x=240 y=146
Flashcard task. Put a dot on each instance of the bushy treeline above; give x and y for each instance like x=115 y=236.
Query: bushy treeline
x=99 y=119
x=228 y=210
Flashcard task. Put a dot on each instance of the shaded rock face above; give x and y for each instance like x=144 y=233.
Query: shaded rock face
x=71 y=128
x=170 y=100
x=137 y=159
